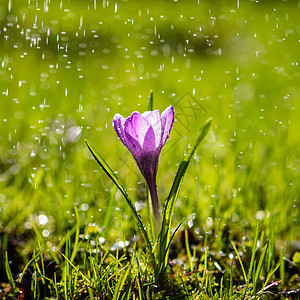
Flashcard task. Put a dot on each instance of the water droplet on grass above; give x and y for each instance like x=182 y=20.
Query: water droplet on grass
x=45 y=233
x=84 y=207
x=42 y=219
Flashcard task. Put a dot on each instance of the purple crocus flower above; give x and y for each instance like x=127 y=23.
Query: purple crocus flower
x=144 y=136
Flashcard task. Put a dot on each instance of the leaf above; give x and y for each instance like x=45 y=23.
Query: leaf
x=200 y=135
x=106 y=168
x=169 y=207
x=150 y=102
x=160 y=274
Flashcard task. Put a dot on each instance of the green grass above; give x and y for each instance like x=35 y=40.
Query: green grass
x=91 y=270
x=239 y=66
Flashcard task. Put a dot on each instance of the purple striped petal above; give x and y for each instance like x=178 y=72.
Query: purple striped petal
x=140 y=129
x=153 y=117
x=119 y=122
x=167 y=119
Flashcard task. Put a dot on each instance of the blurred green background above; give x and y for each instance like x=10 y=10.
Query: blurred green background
x=68 y=66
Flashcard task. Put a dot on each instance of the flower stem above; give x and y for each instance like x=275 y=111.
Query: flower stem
x=155 y=211
x=154 y=199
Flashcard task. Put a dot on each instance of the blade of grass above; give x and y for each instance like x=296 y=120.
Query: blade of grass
x=40 y=272
x=140 y=289
x=9 y=274
x=63 y=238
x=240 y=261
x=206 y=269
x=271 y=248
x=188 y=250
x=252 y=259
x=120 y=284
x=65 y=283
x=139 y=277
x=42 y=261
x=55 y=286
x=25 y=268
x=204 y=275
x=41 y=239
x=259 y=267
x=36 y=290
x=77 y=270
x=150 y=102
x=130 y=289
x=282 y=267
x=231 y=280
x=268 y=278
x=106 y=168
x=76 y=243
x=221 y=288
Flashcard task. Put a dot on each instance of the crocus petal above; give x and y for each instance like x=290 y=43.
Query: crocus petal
x=154 y=119
x=119 y=122
x=145 y=157
x=139 y=135
x=149 y=141
x=136 y=126
x=167 y=119
x=134 y=147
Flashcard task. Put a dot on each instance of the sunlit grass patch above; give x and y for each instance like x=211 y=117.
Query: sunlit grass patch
x=67 y=67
